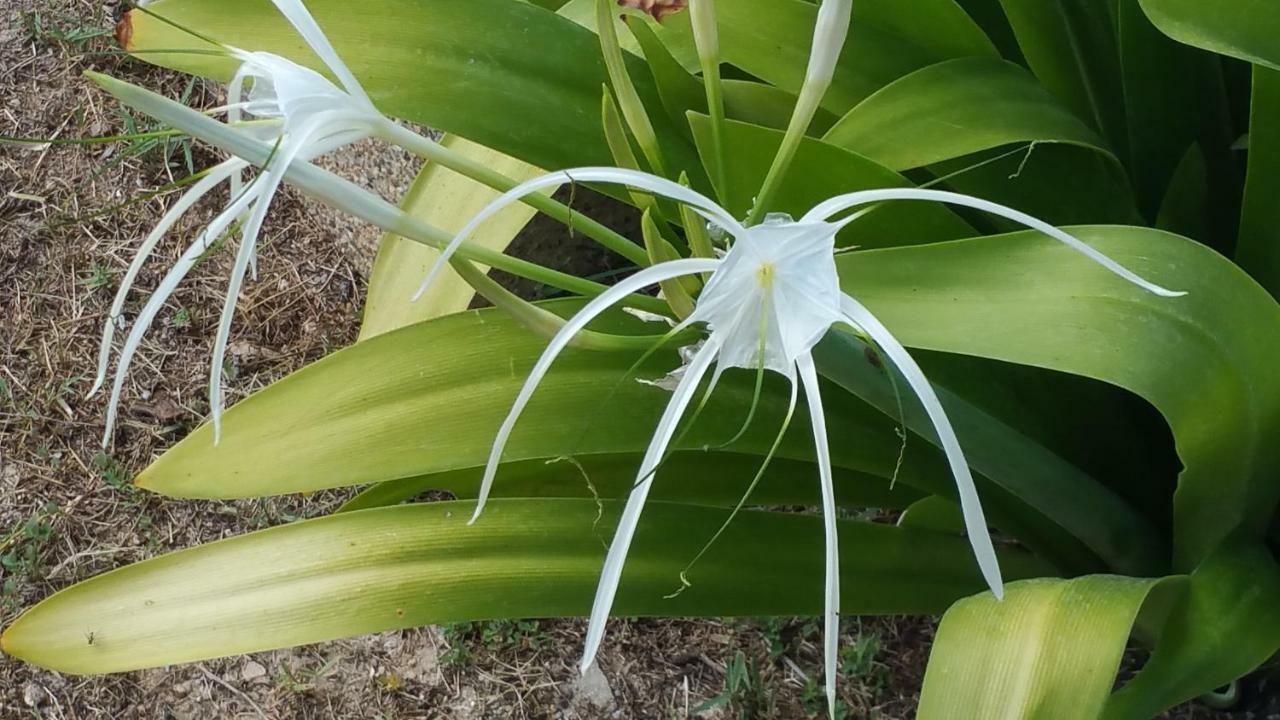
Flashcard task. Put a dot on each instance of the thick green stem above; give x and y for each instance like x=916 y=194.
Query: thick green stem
x=435 y=152
x=805 y=109
x=541 y=321
x=829 y=32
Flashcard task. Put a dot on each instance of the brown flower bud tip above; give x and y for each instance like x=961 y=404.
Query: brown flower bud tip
x=657 y=8
x=124 y=30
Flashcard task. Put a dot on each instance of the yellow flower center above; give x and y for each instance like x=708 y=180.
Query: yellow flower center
x=765 y=275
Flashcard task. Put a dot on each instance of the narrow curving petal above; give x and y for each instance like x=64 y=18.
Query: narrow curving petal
x=642 y=279
x=162 y=292
x=215 y=176
x=294 y=144
x=831 y=631
x=974 y=521
x=309 y=29
x=617 y=557
x=824 y=210
x=632 y=178
x=235 y=114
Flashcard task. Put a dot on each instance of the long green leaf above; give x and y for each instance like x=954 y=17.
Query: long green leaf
x=718 y=479
x=520 y=86
x=447 y=200
x=1258 y=248
x=1244 y=29
x=390 y=568
x=429 y=398
x=957 y=108
x=1048 y=651
x=1206 y=361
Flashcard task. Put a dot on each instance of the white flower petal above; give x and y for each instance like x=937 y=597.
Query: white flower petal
x=310 y=31
x=632 y=178
x=215 y=176
x=162 y=292
x=824 y=211
x=642 y=279
x=621 y=545
x=294 y=145
x=831 y=631
x=974 y=521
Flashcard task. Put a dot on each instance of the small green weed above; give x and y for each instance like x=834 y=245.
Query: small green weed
x=41 y=27
x=99 y=277
x=493 y=635
x=744 y=691
x=20 y=553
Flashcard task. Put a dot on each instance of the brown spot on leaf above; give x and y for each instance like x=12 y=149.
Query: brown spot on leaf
x=124 y=30
x=657 y=8
x=873 y=357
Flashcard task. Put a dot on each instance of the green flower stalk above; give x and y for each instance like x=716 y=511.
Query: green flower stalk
x=706 y=37
x=829 y=33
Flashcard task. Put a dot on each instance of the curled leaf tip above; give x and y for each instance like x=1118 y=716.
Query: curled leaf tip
x=124 y=30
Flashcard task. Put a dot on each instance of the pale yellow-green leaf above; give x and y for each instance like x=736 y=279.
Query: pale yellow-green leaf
x=447 y=200
x=390 y=568
x=1048 y=651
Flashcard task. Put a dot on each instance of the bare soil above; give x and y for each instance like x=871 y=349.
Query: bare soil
x=69 y=221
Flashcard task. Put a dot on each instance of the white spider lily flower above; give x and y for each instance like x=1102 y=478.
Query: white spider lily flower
x=308 y=117
x=769 y=300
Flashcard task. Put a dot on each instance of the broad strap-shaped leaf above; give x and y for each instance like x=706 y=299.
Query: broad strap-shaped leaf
x=429 y=398
x=957 y=108
x=1048 y=651
x=447 y=200
x=1258 y=247
x=1070 y=45
x=1206 y=361
x=819 y=171
x=1244 y=29
x=520 y=86
x=1227 y=625
x=390 y=568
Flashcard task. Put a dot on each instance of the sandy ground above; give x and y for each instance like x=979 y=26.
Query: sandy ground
x=68 y=226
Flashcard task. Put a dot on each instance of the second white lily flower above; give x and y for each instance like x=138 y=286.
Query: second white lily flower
x=307 y=117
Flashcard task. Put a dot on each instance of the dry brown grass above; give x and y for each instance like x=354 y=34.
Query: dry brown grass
x=68 y=512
